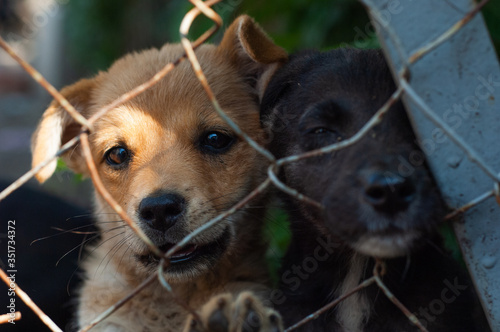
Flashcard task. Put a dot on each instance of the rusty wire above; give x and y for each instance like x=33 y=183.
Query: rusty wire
x=205 y=8
x=5 y=318
x=119 y=304
x=332 y=304
x=29 y=302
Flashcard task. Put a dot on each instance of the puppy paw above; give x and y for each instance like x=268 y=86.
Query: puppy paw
x=226 y=313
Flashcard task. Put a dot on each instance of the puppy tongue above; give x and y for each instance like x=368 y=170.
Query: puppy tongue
x=185 y=251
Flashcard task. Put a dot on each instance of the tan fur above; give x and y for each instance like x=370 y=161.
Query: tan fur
x=236 y=310
x=161 y=127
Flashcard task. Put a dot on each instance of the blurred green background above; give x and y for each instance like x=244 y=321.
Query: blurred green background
x=99 y=31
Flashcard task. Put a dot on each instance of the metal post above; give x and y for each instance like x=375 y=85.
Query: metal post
x=459 y=80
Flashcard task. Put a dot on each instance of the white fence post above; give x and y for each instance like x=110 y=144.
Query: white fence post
x=459 y=80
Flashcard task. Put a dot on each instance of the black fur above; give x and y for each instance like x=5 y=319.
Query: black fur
x=378 y=188
x=51 y=286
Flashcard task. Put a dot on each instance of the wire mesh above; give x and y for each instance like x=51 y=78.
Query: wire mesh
x=200 y=7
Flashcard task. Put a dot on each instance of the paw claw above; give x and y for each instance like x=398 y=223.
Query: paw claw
x=275 y=323
x=221 y=302
x=218 y=322
x=252 y=321
x=248 y=302
x=194 y=326
x=245 y=313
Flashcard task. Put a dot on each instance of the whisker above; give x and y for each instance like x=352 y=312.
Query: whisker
x=86 y=241
x=407 y=267
x=66 y=231
x=80 y=251
x=125 y=252
x=113 y=252
x=100 y=244
x=69 y=231
x=435 y=246
x=79 y=261
x=76 y=247
x=80 y=216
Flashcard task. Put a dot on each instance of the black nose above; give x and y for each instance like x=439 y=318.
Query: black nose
x=161 y=212
x=388 y=192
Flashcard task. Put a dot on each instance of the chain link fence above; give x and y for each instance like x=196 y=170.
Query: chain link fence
x=404 y=89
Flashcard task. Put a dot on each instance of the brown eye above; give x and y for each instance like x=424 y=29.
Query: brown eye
x=216 y=142
x=117 y=156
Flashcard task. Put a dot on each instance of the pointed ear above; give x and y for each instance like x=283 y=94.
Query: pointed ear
x=57 y=127
x=250 y=49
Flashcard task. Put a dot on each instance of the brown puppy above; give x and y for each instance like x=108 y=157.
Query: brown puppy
x=173 y=164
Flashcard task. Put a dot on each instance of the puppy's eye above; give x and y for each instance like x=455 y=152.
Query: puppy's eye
x=117 y=156
x=216 y=142
x=324 y=131
x=319 y=130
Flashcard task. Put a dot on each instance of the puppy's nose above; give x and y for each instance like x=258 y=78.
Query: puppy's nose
x=388 y=192
x=161 y=212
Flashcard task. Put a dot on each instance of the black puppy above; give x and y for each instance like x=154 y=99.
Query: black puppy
x=378 y=196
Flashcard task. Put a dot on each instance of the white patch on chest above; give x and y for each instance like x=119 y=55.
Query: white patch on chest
x=353 y=312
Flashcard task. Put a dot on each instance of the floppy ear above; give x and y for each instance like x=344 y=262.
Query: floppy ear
x=255 y=55
x=57 y=127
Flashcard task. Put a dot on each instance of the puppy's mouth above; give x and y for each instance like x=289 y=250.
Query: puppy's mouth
x=183 y=254
x=190 y=254
x=392 y=245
